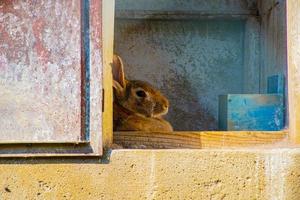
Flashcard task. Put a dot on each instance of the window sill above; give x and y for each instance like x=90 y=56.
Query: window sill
x=200 y=139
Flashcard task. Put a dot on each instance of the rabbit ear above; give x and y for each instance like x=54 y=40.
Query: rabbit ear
x=118 y=89
x=118 y=73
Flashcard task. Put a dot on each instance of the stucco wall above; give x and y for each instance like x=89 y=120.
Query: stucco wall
x=191 y=62
x=158 y=174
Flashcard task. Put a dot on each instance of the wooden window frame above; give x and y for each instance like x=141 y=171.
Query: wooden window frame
x=94 y=15
x=289 y=137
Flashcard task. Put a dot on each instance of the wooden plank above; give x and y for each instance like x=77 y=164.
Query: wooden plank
x=107 y=51
x=42 y=148
x=203 y=6
x=96 y=74
x=177 y=15
x=43 y=142
x=37 y=155
x=198 y=140
x=182 y=9
x=293 y=48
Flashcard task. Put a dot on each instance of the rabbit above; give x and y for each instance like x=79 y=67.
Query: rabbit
x=137 y=105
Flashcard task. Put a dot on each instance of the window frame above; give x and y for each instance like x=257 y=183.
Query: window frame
x=95 y=61
x=288 y=137
x=204 y=139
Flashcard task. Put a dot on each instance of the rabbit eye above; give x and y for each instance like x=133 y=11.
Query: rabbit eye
x=141 y=93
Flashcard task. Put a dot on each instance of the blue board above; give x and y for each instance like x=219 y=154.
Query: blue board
x=276 y=84
x=256 y=112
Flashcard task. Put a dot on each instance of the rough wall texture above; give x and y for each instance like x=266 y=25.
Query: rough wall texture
x=198 y=59
x=252 y=56
x=192 y=62
x=158 y=174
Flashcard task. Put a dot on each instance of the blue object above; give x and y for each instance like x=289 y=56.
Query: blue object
x=255 y=112
x=276 y=84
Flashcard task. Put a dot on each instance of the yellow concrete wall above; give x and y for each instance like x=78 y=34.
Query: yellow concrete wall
x=158 y=174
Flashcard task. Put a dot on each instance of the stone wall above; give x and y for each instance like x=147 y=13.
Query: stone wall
x=158 y=174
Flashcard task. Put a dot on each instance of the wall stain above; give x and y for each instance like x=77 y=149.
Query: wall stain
x=191 y=62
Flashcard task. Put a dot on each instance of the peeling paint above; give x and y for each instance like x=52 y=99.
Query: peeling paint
x=40 y=70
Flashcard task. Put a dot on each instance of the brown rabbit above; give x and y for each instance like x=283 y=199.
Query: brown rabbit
x=138 y=106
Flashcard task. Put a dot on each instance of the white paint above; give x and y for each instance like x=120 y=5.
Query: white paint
x=277 y=165
x=152 y=186
x=256 y=176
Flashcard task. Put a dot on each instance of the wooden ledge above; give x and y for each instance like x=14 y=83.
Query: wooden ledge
x=183 y=15
x=198 y=140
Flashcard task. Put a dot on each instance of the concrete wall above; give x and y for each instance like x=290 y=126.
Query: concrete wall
x=158 y=174
x=192 y=62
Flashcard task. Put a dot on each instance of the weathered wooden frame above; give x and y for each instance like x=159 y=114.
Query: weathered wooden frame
x=199 y=139
x=94 y=14
x=210 y=139
x=293 y=49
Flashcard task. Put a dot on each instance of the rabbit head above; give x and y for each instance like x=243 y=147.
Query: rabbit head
x=137 y=96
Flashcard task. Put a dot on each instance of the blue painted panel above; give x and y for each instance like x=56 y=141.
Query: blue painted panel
x=260 y=112
x=276 y=84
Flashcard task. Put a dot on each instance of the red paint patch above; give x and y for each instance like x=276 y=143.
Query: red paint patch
x=96 y=21
x=37 y=27
x=5 y=37
x=2 y=63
